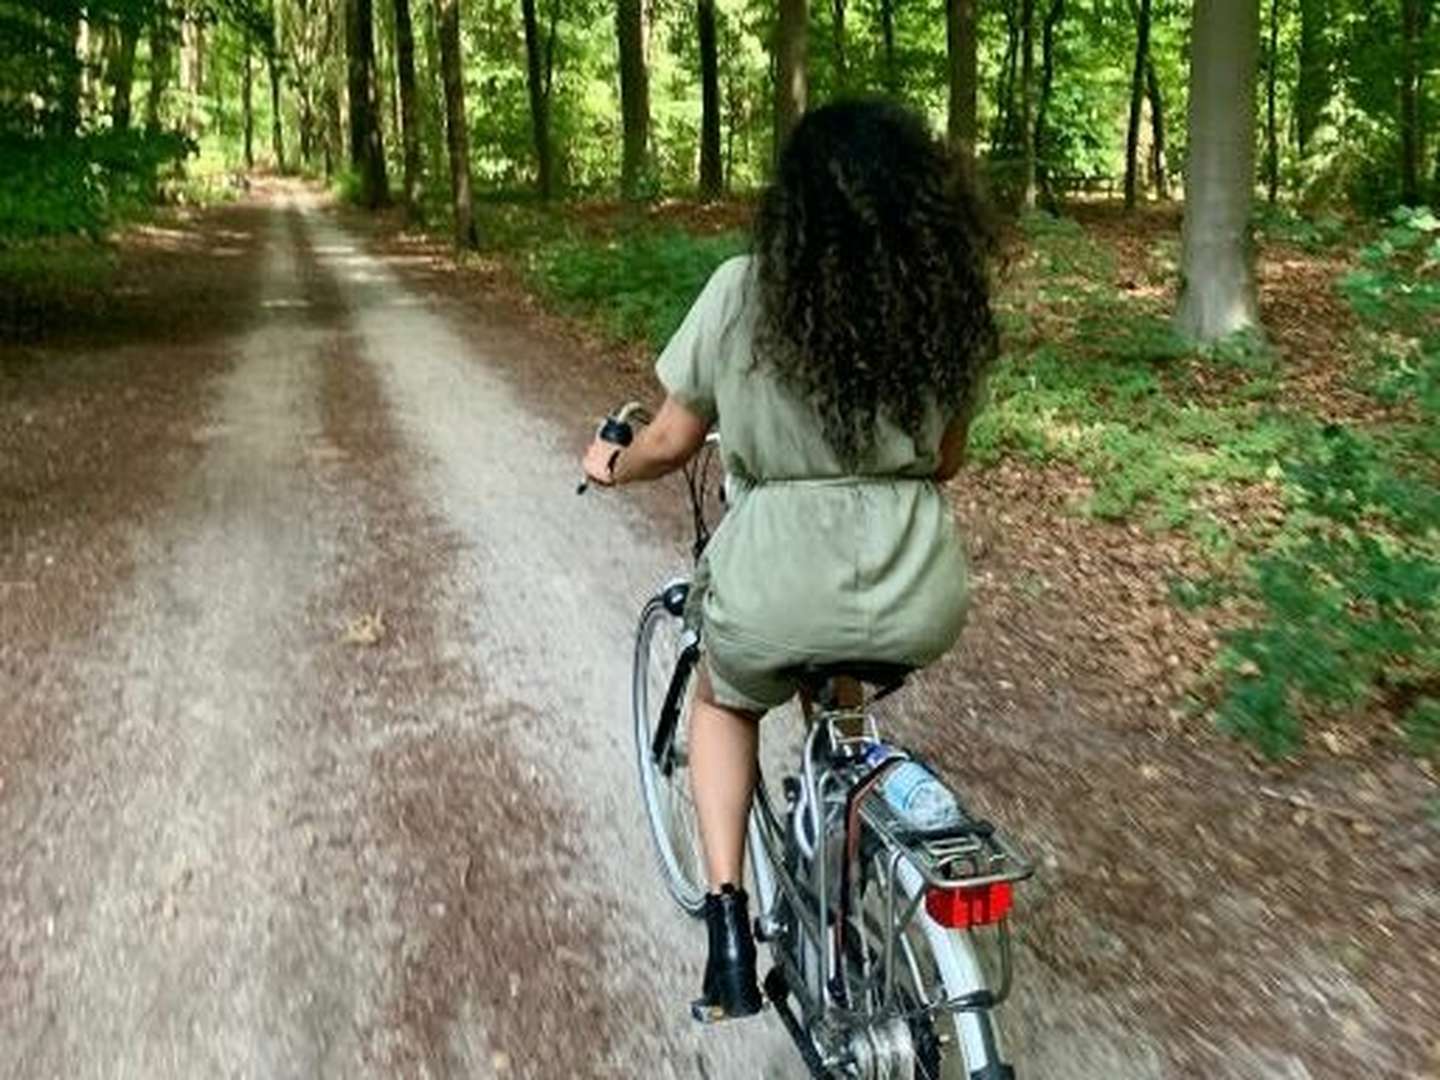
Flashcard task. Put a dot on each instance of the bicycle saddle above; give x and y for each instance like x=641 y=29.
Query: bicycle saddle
x=885 y=677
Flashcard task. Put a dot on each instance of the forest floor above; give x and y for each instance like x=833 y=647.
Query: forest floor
x=301 y=501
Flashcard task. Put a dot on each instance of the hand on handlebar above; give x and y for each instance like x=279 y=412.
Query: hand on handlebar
x=614 y=434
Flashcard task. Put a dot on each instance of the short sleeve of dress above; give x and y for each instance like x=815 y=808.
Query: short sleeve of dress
x=688 y=366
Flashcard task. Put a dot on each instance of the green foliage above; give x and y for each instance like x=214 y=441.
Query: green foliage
x=1351 y=603
x=639 y=284
x=79 y=184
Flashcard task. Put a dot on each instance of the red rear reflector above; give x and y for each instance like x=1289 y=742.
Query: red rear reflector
x=964 y=907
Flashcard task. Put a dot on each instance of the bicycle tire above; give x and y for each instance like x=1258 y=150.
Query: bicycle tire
x=669 y=807
x=956 y=1046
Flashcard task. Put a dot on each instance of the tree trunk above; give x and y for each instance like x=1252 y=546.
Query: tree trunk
x=1137 y=99
x=409 y=102
x=961 y=39
x=1313 y=92
x=458 y=134
x=539 y=100
x=1217 y=290
x=1272 y=130
x=1006 y=114
x=1410 y=102
x=277 y=130
x=122 y=74
x=1027 y=103
x=712 y=177
x=792 y=77
x=1159 y=166
x=247 y=102
x=1053 y=18
x=842 y=54
x=634 y=96
x=161 y=58
x=367 y=149
x=72 y=85
x=887 y=34
x=435 y=114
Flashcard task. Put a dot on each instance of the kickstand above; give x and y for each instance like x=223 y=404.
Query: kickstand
x=778 y=992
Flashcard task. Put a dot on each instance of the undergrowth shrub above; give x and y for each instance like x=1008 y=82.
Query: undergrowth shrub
x=638 y=284
x=1350 y=607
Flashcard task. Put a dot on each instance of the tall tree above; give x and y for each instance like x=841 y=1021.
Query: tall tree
x=72 y=93
x=1217 y=289
x=1137 y=99
x=1410 y=90
x=1159 y=164
x=367 y=150
x=540 y=67
x=1313 y=92
x=409 y=101
x=272 y=65
x=887 y=40
x=712 y=176
x=1272 y=127
x=122 y=70
x=247 y=100
x=1043 y=149
x=457 y=133
x=842 y=51
x=634 y=96
x=962 y=48
x=1027 y=103
x=435 y=139
x=161 y=61
x=792 y=74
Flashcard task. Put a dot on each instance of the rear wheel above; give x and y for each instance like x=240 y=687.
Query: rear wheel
x=665 y=784
x=932 y=964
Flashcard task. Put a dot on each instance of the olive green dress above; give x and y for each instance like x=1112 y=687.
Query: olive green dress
x=814 y=562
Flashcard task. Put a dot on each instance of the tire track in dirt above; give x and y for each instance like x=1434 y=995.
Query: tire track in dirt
x=542 y=592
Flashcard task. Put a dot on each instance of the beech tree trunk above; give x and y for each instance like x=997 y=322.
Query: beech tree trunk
x=1410 y=102
x=1053 y=18
x=842 y=54
x=435 y=115
x=1313 y=92
x=1027 y=103
x=1159 y=163
x=634 y=96
x=1137 y=100
x=367 y=150
x=962 y=47
x=122 y=74
x=247 y=102
x=277 y=129
x=72 y=77
x=1217 y=288
x=1272 y=130
x=792 y=76
x=409 y=100
x=712 y=177
x=457 y=133
x=887 y=34
x=538 y=59
x=161 y=62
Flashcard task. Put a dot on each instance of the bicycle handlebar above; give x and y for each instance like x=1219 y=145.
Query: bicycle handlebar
x=619 y=430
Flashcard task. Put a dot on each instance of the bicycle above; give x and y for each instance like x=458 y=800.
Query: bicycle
x=871 y=924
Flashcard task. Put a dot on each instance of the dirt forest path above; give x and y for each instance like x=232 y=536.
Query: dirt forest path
x=314 y=757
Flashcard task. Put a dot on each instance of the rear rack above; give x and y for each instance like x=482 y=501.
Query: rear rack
x=970 y=854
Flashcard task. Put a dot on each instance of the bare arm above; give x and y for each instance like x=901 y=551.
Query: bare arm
x=673 y=438
x=952 y=448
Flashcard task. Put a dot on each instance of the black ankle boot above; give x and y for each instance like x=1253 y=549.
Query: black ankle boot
x=730 y=989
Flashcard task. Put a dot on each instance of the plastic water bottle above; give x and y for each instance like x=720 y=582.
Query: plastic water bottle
x=918 y=797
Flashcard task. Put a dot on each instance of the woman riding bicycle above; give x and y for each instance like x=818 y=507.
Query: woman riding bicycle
x=841 y=363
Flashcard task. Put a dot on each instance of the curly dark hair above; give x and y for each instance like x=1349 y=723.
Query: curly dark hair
x=872 y=248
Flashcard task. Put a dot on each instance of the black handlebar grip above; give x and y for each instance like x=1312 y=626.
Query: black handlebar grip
x=616 y=431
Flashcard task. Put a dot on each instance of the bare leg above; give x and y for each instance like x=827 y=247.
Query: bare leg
x=724 y=745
